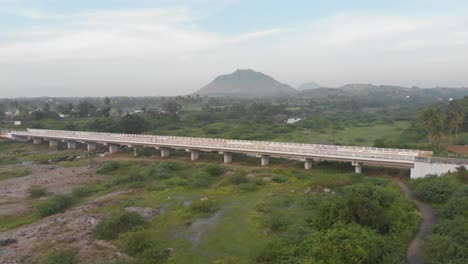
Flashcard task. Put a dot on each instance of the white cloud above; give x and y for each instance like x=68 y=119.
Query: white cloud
x=164 y=51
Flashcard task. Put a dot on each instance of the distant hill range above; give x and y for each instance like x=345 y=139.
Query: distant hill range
x=307 y=86
x=251 y=84
x=246 y=83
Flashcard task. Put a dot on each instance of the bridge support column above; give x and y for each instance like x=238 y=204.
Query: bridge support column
x=135 y=152
x=227 y=157
x=71 y=145
x=53 y=144
x=265 y=160
x=308 y=164
x=113 y=148
x=91 y=146
x=194 y=154
x=357 y=167
x=165 y=152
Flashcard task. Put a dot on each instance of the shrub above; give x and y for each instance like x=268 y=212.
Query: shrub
x=276 y=222
x=238 y=179
x=56 y=204
x=214 y=170
x=170 y=165
x=129 y=178
x=248 y=187
x=447 y=242
x=434 y=189
x=200 y=180
x=279 y=178
x=134 y=243
x=204 y=206
x=117 y=224
x=343 y=244
x=108 y=167
x=84 y=191
x=457 y=205
x=159 y=174
x=60 y=257
x=35 y=192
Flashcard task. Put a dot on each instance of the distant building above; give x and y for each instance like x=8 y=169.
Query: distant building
x=17 y=123
x=293 y=120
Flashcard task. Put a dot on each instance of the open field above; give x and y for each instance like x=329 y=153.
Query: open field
x=200 y=212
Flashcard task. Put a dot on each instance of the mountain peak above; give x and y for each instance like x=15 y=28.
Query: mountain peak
x=243 y=74
x=246 y=83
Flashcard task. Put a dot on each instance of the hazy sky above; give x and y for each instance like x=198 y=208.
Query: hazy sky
x=150 y=47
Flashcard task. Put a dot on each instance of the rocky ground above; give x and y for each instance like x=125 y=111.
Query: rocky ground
x=71 y=229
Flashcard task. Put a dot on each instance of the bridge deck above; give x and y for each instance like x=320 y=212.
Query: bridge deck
x=285 y=149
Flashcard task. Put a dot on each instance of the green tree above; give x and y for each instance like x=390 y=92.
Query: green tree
x=454 y=117
x=432 y=121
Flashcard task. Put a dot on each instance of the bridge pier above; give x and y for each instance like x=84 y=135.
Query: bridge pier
x=194 y=154
x=37 y=141
x=71 y=144
x=91 y=146
x=113 y=148
x=265 y=160
x=357 y=167
x=53 y=144
x=227 y=157
x=165 y=152
x=308 y=164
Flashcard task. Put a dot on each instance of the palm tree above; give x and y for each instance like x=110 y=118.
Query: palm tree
x=455 y=117
x=432 y=121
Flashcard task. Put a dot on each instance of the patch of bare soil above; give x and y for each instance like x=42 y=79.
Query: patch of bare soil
x=68 y=230
x=458 y=149
x=55 y=179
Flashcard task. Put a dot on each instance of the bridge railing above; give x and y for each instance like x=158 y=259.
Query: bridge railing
x=265 y=146
x=244 y=142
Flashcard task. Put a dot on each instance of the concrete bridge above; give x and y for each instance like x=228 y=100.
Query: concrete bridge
x=357 y=156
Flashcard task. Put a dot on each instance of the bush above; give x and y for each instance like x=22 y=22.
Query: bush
x=434 y=189
x=56 y=204
x=248 y=187
x=276 y=222
x=129 y=178
x=108 y=167
x=36 y=192
x=204 y=206
x=117 y=224
x=84 y=191
x=134 y=243
x=456 y=206
x=238 y=179
x=170 y=165
x=279 y=178
x=60 y=257
x=200 y=180
x=159 y=174
x=214 y=170
x=343 y=244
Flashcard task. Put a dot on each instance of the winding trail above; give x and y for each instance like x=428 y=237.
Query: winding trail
x=413 y=254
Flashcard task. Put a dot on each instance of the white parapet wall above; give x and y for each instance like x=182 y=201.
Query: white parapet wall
x=421 y=168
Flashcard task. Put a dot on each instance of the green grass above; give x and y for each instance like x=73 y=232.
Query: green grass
x=10 y=222
x=13 y=173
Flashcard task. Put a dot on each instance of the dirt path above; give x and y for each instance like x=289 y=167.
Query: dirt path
x=413 y=254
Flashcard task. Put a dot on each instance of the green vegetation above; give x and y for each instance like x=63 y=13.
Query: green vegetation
x=13 y=173
x=55 y=204
x=447 y=243
x=120 y=223
x=60 y=257
x=36 y=192
x=59 y=203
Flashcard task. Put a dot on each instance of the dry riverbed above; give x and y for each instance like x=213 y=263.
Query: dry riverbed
x=71 y=229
